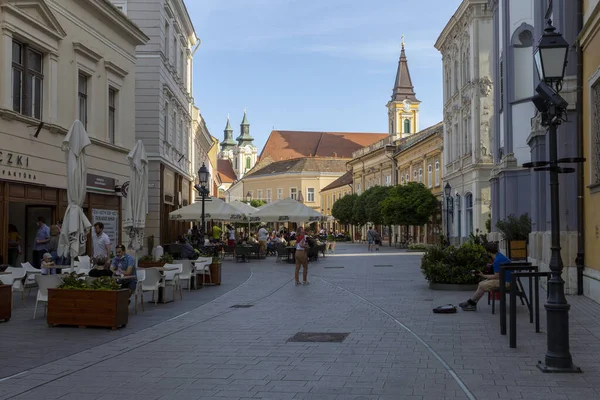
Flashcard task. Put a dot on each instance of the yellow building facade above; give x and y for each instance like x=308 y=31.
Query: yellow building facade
x=419 y=159
x=332 y=193
x=590 y=43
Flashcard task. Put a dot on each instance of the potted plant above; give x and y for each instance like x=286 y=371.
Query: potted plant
x=450 y=268
x=148 y=262
x=215 y=271
x=516 y=233
x=5 y=301
x=100 y=302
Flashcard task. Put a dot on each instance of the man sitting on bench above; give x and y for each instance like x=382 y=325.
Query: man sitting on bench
x=491 y=281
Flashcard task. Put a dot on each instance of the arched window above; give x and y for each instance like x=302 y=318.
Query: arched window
x=420 y=175
x=402 y=180
x=247 y=162
x=406 y=126
x=456 y=76
x=429 y=175
x=437 y=173
x=469 y=213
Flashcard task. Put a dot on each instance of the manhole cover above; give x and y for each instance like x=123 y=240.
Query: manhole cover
x=318 y=337
x=382 y=266
x=333 y=267
x=241 y=306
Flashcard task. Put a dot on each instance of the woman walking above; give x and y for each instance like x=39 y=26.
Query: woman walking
x=301 y=256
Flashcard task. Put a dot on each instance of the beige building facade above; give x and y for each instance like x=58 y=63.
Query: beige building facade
x=330 y=194
x=61 y=61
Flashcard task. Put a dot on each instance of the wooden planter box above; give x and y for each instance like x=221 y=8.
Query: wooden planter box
x=83 y=308
x=150 y=264
x=5 y=302
x=215 y=273
x=517 y=250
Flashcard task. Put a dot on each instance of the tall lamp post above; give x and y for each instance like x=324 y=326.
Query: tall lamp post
x=550 y=58
x=249 y=197
x=448 y=193
x=203 y=192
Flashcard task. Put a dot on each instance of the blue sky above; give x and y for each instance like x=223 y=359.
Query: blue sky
x=324 y=65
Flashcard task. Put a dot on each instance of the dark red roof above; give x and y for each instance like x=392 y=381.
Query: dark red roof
x=343 y=180
x=225 y=170
x=286 y=145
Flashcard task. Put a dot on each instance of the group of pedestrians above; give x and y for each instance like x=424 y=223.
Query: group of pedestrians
x=373 y=239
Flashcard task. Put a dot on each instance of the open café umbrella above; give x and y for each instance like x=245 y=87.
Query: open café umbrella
x=244 y=208
x=286 y=210
x=76 y=226
x=136 y=202
x=214 y=208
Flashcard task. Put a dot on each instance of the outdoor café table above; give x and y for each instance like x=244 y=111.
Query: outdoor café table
x=162 y=296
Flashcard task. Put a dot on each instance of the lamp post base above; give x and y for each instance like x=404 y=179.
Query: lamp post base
x=572 y=369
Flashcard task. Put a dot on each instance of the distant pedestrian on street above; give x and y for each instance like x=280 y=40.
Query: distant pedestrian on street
x=370 y=238
x=301 y=256
x=376 y=239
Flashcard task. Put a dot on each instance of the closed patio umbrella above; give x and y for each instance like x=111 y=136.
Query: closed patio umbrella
x=136 y=203
x=286 y=210
x=76 y=226
x=214 y=208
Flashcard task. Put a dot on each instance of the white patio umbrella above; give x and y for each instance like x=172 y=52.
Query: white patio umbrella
x=136 y=203
x=214 y=208
x=286 y=210
x=76 y=226
x=243 y=207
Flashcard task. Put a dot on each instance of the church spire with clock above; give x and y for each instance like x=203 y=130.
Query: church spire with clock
x=403 y=107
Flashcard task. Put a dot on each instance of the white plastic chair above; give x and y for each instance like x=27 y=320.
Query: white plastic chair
x=16 y=279
x=203 y=267
x=44 y=283
x=172 y=279
x=149 y=280
x=31 y=272
x=188 y=273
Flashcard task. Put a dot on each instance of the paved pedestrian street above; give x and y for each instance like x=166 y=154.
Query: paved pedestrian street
x=396 y=347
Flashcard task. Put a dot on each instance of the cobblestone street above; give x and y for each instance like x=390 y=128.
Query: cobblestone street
x=202 y=348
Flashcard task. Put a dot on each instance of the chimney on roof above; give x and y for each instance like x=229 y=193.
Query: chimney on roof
x=334 y=154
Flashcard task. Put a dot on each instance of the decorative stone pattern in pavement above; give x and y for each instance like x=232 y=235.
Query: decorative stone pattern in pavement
x=397 y=348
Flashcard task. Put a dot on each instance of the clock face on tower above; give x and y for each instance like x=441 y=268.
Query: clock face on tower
x=406 y=106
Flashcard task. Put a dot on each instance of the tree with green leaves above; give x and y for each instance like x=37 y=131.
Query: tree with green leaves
x=373 y=199
x=410 y=204
x=255 y=202
x=343 y=209
x=359 y=212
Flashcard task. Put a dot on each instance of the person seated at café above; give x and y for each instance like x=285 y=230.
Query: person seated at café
x=123 y=266
x=100 y=269
x=48 y=264
x=187 y=250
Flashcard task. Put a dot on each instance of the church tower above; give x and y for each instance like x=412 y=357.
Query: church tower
x=228 y=144
x=245 y=153
x=403 y=108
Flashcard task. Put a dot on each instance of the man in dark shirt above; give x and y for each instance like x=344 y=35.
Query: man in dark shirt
x=491 y=281
x=187 y=250
x=100 y=269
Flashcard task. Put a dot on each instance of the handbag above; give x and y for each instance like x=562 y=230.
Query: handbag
x=445 y=309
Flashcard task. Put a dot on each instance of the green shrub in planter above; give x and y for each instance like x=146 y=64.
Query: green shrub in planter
x=419 y=246
x=453 y=265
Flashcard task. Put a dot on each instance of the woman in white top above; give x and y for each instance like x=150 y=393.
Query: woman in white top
x=301 y=256
x=231 y=237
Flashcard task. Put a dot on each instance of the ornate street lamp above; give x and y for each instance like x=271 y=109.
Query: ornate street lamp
x=550 y=60
x=249 y=196
x=203 y=179
x=448 y=193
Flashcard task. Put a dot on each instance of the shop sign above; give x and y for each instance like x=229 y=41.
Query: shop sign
x=14 y=166
x=99 y=183
x=110 y=219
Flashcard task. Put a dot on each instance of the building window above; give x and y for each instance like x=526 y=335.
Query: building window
x=595 y=109
x=180 y=138
x=82 y=92
x=415 y=175
x=406 y=126
x=402 y=180
x=420 y=175
x=279 y=193
x=167 y=39
x=388 y=180
x=469 y=213
x=407 y=178
x=429 y=175
x=259 y=194
x=455 y=76
x=358 y=188
x=112 y=117
x=166 y=121
x=269 y=199
x=310 y=195
x=457 y=207
x=27 y=79
x=294 y=193
x=437 y=173
x=181 y=64
x=248 y=162
x=173 y=129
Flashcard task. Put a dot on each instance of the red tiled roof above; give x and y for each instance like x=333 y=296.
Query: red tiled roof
x=306 y=164
x=343 y=180
x=225 y=170
x=285 y=145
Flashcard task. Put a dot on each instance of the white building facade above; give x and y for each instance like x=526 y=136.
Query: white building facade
x=466 y=45
x=164 y=108
x=62 y=60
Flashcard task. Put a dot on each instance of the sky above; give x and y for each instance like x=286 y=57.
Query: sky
x=320 y=65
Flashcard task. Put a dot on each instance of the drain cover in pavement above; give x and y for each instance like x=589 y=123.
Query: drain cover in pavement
x=333 y=267
x=382 y=266
x=318 y=337
x=241 y=306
